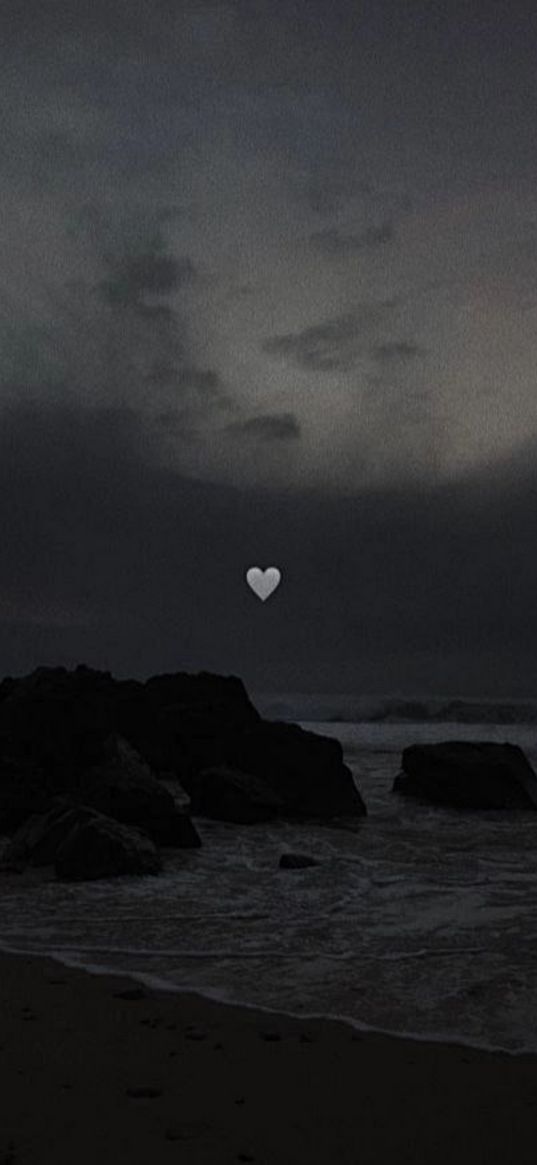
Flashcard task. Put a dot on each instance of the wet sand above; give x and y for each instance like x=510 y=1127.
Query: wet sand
x=97 y=1069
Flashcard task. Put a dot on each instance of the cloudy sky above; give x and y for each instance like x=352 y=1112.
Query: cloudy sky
x=268 y=295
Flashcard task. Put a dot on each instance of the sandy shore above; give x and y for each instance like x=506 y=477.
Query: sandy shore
x=98 y=1069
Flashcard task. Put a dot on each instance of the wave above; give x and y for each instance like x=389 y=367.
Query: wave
x=162 y=985
x=341 y=709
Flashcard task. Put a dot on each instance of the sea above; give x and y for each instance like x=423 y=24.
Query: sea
x=417 y=920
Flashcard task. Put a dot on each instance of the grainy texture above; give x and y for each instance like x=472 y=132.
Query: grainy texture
x=88 y=1075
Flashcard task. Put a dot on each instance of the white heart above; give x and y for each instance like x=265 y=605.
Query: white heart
x=263 y=582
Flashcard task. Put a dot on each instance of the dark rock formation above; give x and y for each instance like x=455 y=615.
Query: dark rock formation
x=304 y=770
x=58 y=719
x=102 y=848
x=229 y=795
x=468 y=775
x=23 y=791
x=104 y=742
x=37 y=841
x=296 y=861
x=181 y=723
x=122 y=786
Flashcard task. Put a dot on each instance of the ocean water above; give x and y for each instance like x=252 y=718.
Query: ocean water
x=418 y=920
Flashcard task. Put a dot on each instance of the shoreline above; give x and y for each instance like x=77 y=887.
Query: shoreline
x=96 y=1063
x=156 y=986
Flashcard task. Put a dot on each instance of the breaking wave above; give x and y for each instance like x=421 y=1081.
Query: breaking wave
x=341 y=709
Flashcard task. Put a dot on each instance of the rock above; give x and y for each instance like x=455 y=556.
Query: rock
x=132 y=994
x=229 y=795
x=102 y=848
x=144 y=1093
x=23 y=791
x=37 y=841
x=122 y=786
x=291 y=861
x=468 y=775
x=100 y=741
x=58 y=719
x=179 y=722
x=304 y=770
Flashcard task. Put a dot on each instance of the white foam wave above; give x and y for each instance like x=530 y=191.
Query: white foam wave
x=160 y=984
x=393 y=709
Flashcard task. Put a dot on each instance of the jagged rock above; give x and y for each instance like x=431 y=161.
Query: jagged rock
x=304 y=770
x=23 y=791
x=60 y=724
x=102 y=848
x=468 y=775
x=181 y=722
x=123 y=787
x=291 y=861
x=58 y=719
x=37 y=841
x=229 y=795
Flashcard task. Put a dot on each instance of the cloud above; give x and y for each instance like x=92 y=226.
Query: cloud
x=150 y=273
x=334 y=345
x=334 y=242
x=396 y=351
x=119 y=334
x=112 y=559
x=269 y=427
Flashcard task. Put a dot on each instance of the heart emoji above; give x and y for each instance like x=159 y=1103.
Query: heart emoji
x=263 y=582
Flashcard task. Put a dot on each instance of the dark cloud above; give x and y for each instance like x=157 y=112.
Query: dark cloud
x=334 y=242
x=396 y=351
x=327 y=188
x=334 y=345
x=144 y=142
x=109 y=558
x=136 y=276
x=270 y=427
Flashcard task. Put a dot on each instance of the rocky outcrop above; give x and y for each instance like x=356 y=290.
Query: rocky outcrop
x=304 y=770
x=36 y=842
x=23 y=791
x=81 y=844
x=122 y=786
x=105 y=742
x=101 y=848
x=291 y=861
x=229 y=795
x=468 y=775
x=183 y=723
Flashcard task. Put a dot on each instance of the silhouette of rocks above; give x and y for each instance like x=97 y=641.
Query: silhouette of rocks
x=104 y=743
x=184 y=723
x=229 y=795
x=468 y=775
x=122 y=786
x=304 y=770
x=57 y=719
x=291 y=861
x=37 y=841
x=23 y=791
x=101 y=848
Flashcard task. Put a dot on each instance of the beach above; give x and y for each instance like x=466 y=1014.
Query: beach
x=97 y=1067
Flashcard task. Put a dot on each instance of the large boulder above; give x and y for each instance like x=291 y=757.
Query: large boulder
x=23 y=791
x=102 y=848
x=36 y=841
x=59 y=724
x=122 y=786
x=303 y=770
x=229 y=795
x=58 y=719
x=468 y=775
x=181 y=723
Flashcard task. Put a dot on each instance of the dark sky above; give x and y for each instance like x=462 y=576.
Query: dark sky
x=268 y=292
